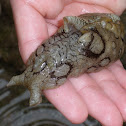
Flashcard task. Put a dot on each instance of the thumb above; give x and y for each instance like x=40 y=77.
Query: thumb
x=31 y=27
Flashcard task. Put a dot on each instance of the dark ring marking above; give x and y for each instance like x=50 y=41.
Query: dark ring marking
x=89 y=53
x=120 y=51
x=64 y=76
x=44 y=65
x=92 y=68
x=101 y=63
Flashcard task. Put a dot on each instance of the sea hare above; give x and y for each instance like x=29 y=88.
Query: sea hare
x=85 y=43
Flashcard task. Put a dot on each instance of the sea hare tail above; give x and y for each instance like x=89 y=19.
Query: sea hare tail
x=35 y=96
x=16 y=80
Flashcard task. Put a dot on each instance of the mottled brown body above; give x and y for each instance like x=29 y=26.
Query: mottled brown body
x=85 y=43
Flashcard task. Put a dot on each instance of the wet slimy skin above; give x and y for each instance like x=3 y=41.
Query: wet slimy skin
x=86 y=43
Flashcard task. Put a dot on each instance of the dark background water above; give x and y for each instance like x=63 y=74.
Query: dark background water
x=14 y=108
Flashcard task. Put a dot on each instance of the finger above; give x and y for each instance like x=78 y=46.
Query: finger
x=68 y=102
x=81 y=8
x=119 y=72
x=117 y=6
x=117 y=62
x=106 y=80
x=48 y=8
x=30 y=25
x=98 y=104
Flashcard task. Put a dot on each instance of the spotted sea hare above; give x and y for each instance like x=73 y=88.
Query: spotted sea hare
x=85 y=43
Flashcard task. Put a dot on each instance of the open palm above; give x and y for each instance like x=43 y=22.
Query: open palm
x=101 y=94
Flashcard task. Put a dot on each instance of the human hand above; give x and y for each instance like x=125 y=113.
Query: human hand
x=101 y=94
